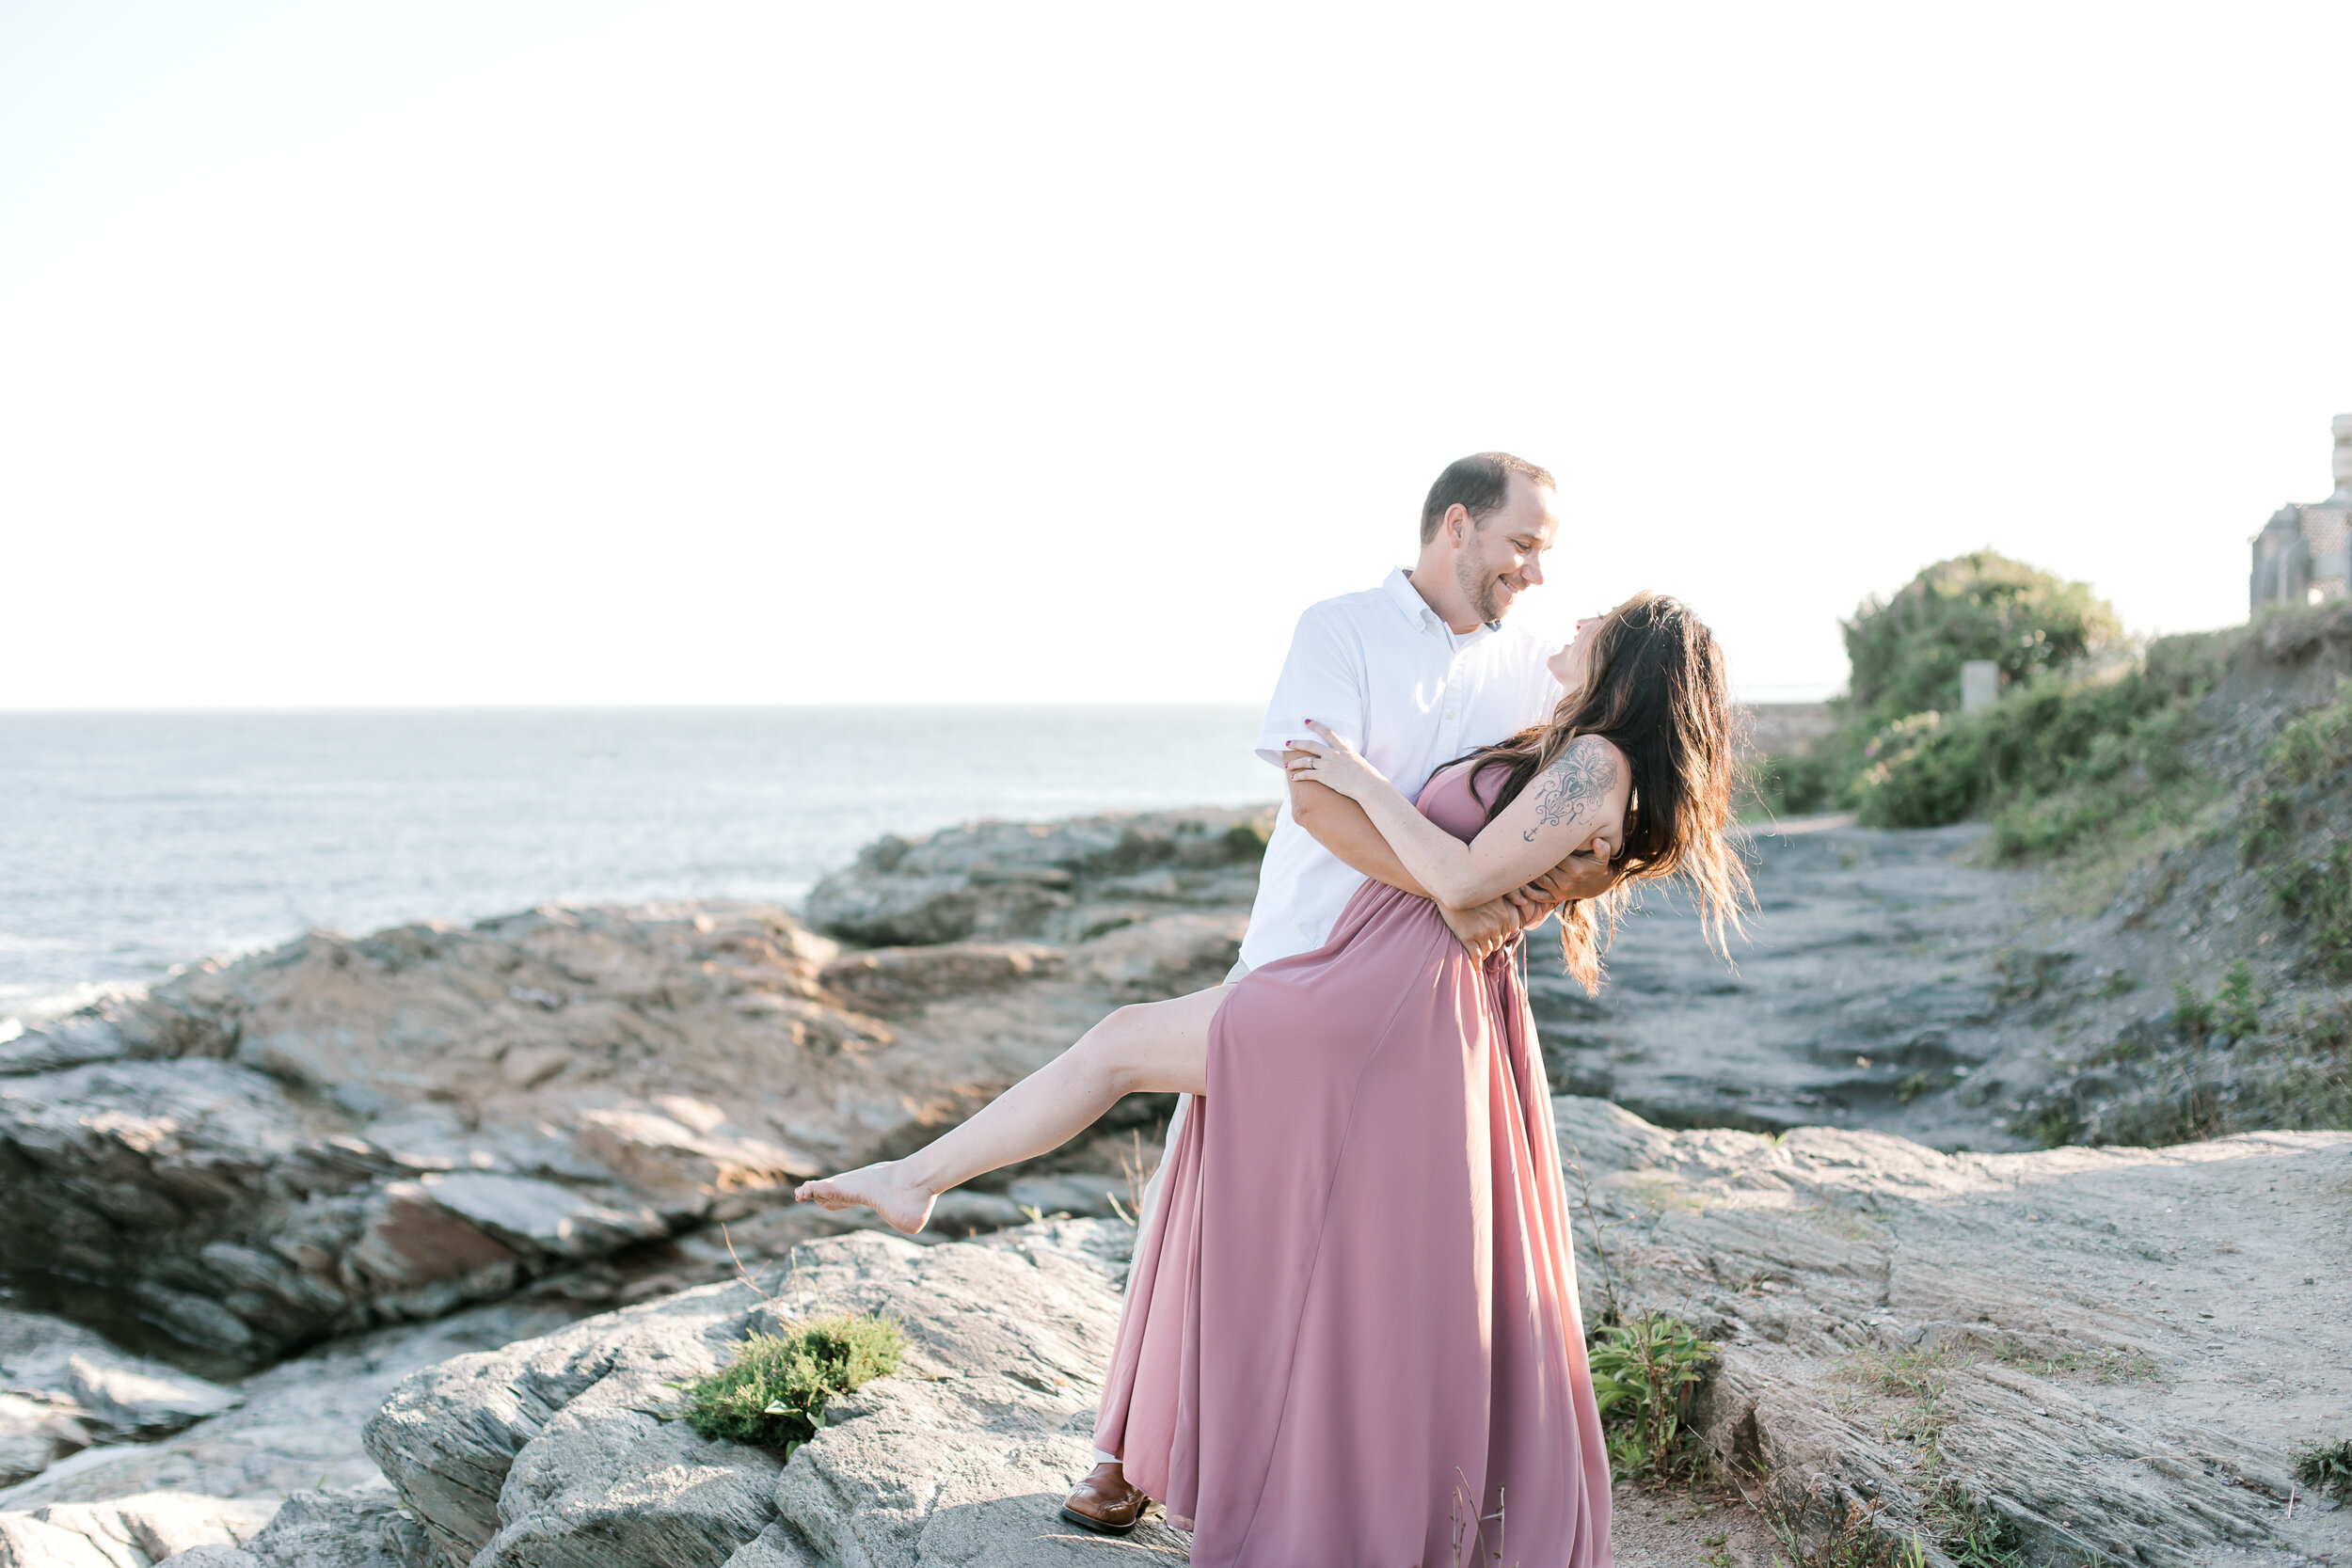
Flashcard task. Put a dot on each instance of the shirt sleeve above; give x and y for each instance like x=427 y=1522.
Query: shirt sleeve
x=1322 y=679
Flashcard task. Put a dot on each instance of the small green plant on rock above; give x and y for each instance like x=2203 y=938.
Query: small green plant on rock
x=2325 y=1467
x=2192 y=1013
x=1643 y=1374
x=773 y=1394
x=2239 y=1002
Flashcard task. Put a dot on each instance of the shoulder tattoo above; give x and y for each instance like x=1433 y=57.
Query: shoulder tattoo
x=1582 y=775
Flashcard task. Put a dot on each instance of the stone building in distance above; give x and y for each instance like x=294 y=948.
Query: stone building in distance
x=2300 y=556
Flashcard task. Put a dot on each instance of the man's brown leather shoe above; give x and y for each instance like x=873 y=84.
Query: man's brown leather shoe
x=1104 y=1504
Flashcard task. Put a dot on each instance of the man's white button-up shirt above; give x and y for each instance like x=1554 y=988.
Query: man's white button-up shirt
x=1382 y=671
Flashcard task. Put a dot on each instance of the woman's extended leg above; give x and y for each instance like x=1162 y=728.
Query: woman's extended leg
x=1149 y=1048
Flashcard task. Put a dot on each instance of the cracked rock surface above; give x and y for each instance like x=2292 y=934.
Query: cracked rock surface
x=1912 y=1344
x=564 y=1449
x=2101 y=1356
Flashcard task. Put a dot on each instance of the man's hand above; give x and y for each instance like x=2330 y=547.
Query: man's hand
x=1484 y=928
x=1579 y=876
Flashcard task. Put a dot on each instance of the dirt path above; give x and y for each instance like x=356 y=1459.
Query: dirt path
x=1882 y=972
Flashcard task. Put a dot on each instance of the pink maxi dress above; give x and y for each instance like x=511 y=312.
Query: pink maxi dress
x=1352 y=1318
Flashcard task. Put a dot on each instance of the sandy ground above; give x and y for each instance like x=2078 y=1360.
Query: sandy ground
x=1688 y=1529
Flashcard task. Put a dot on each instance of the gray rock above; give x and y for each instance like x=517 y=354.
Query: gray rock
x=2016 y=1343
x=34 y=1433
x=2072 y=1347
x=144 y=1400
x=347 y=1134
x=298 y=1428
x=71 y=1041
x=29 y=1542
x=364 y=1528
x=63 y=1388
x=996 y=881
x=129 y=1532
x=891 y=977
x=564 y=1450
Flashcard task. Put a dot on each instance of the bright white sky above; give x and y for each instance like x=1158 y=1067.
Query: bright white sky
x=438 y=354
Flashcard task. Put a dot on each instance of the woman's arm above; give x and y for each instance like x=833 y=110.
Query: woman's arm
x=1340 y=825
x=1583 y=794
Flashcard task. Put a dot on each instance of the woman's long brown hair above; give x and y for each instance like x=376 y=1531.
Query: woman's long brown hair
x=1656 y=688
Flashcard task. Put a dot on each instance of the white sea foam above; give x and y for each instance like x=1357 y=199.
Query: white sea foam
x=33 y=1011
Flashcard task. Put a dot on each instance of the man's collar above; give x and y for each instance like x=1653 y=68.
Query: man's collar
x=1408 y=599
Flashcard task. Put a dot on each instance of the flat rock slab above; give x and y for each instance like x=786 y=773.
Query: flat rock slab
x=2097 y=1355
x=567 y=1449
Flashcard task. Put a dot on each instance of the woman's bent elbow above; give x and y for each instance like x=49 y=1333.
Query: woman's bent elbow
x=1110 y=1050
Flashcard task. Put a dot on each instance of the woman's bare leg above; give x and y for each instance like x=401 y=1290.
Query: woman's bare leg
x=1149 y=1048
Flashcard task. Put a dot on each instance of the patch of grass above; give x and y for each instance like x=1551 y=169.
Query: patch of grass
x=773 y=1394
x=1855 y=1540
x=2325 y=1467
x=1908 y=1373
x=1662 y=1195
x=1643 y=1374
x=2100 y=1365
x=1915 y=1376
x=2051 y=1126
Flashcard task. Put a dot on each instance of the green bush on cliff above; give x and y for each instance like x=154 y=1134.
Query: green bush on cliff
x=1906 y=651
x=1902 y=755
x=774 y=1392
x=2053 y=760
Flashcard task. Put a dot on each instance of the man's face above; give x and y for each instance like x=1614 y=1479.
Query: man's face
x=1502 y=557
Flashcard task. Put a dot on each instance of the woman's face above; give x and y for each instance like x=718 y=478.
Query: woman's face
x=1572 y=664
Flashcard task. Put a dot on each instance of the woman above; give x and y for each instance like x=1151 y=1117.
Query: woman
x=1351 y=1333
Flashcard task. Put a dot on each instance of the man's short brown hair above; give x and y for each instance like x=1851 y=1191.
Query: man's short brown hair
x=1478 y=485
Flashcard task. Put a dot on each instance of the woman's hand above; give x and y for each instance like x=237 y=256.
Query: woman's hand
x=1334 y=764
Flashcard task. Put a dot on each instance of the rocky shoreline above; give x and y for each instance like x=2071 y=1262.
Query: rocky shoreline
x=549 y=1154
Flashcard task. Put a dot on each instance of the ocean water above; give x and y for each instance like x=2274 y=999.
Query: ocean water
x=133 y=842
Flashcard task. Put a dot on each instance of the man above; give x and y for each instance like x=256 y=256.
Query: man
x=1412 y=673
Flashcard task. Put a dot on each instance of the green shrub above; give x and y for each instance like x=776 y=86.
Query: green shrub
x=1643 y=1374
x=774 y=1392
x=2239 y=1002
x=2319 y=895
x=2267 y=834
x=1906 y=651
x=2316 y=746
x=1792 y=785
x=1247 y=841
x=2192 y=1014
x=2054 y=761
x=2325 y=1467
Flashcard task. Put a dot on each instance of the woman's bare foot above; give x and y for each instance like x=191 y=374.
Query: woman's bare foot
x=882 y=1188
